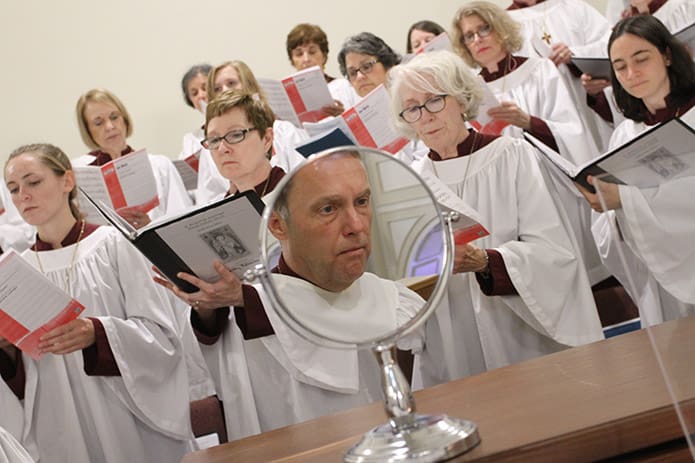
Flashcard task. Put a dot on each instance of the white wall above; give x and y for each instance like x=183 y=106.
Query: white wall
x=52 y=52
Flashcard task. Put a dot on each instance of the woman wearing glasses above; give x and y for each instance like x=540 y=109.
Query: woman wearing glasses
x=236 y=75
x=533 y=99
x=498 y=311
x=653 y=78
x=105 y=126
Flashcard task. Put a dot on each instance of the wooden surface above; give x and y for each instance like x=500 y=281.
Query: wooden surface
x=589 y=403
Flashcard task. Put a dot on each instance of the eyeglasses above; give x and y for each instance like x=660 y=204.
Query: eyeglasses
x=364 y=68
x=232 y=138
x=483 y=31
x=432 y=105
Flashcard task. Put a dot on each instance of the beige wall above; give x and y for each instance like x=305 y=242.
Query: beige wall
x=54 y=51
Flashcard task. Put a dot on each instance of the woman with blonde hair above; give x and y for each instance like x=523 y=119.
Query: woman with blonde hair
x=116 y=376
x=105 y=126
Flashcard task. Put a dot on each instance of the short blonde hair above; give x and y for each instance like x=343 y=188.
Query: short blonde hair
x=438 y=73
x=508 y=30
x=246 y=77
x=102 y=96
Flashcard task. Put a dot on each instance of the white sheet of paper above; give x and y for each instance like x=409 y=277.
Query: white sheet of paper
x=370 y=122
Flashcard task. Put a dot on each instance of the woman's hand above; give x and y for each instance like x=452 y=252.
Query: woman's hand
x=73 y=336
x=594 y=86
x=509 y=112
x=469 y=258
x=225 y=292
x=135 y=217
x=560 y=54
x=610 y=191
x=334 y=109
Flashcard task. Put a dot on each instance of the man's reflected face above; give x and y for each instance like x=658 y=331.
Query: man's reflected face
x=327 y=233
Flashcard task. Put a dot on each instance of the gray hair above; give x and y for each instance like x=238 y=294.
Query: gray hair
x=438 y=73
x=367 y=43
x=194 y=71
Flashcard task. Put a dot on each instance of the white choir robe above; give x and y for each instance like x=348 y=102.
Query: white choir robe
x=343 y=91
x=191 y=143
x=554 y=309
x=292 y=380
x=676 y=14
x=142 y=415
x=173 y=197
x=15 y=233
x=585 y=31
x=211 y=183
x=536 y=87
x=657 y=230
x=11 y=451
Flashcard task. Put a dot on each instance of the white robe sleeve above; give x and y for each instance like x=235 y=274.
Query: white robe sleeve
x=15 y=233
x=173 y=197
x=11 y=451
x=285 y=137
x=154 y=380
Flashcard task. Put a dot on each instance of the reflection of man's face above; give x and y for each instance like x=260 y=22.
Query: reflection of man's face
x=327 y=237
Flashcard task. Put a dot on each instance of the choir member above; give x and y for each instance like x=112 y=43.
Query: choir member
x=533 y=98
x=105 y=126
x=420 y=34
x=364 y=60
x=499 y=311
x=193 y=86
x=112 y=385
x=236 y=75
x=307 y=46
x=653 y=77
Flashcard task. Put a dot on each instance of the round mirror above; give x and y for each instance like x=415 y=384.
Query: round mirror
x=361 y=241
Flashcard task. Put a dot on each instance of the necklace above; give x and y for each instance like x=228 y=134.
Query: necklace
x=265 y=187
x=510 y=65
x=72 y=261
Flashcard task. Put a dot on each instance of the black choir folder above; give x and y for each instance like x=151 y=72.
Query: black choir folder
x=657 y=155
x=190 y=242
x=597 y=68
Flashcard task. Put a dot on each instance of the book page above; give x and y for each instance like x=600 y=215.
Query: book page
x=440 y=42
x=188 y=170
x=565 y=166
x=488 y=102
x=30 y=304
x=91 y=181
x=278 y=100
x=131 y=182
x=468 y=227
x=662 y=154
x=370 y=122
x=228 y=233
x=308 y=92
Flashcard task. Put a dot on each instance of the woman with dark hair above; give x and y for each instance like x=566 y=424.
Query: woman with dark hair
x=420 y=34
x=653 y=79
x=193 y=86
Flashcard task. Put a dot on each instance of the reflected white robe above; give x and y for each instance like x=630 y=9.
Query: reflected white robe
x=173 y=197
x=554 y=309
x=140 y=416
x=211 y=183
x=289 y=380
x=11 y=451
x=537 y=88
x=15 y=233
x=585 y=31
x=658 y=232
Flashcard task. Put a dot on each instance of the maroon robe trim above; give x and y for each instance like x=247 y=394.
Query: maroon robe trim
x=599 y=103
x=653 y=6
x=674 y=107
x=102 y=158
x=519 y=6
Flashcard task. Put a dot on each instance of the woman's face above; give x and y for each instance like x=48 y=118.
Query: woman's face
x=485 y=50
x=227 y=79
x=419 y=39
x=242 y=159
x=107 y=126
x=38 y=193
x=365 y=72
x=308 y=55
x=640 y=68
x=441 y=131
x=196 y=91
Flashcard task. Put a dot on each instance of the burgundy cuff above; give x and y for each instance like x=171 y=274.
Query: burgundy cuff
x=252 y=319
x=599 y=103
x=541 y=131
x=98 y=358
x=497 y=282
x=210 y=336
x=12 y=373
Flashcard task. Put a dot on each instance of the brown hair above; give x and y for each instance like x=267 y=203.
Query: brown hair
x=304 y=34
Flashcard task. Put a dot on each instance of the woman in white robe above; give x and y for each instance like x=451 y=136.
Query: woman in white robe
x=11 y=451
x=499 y=309
x=104 y=126
x=534 y=99
x=112 y=385
x=654 y=225
x=15 y=233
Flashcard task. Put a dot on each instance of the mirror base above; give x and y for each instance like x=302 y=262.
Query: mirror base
x=430 y=438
